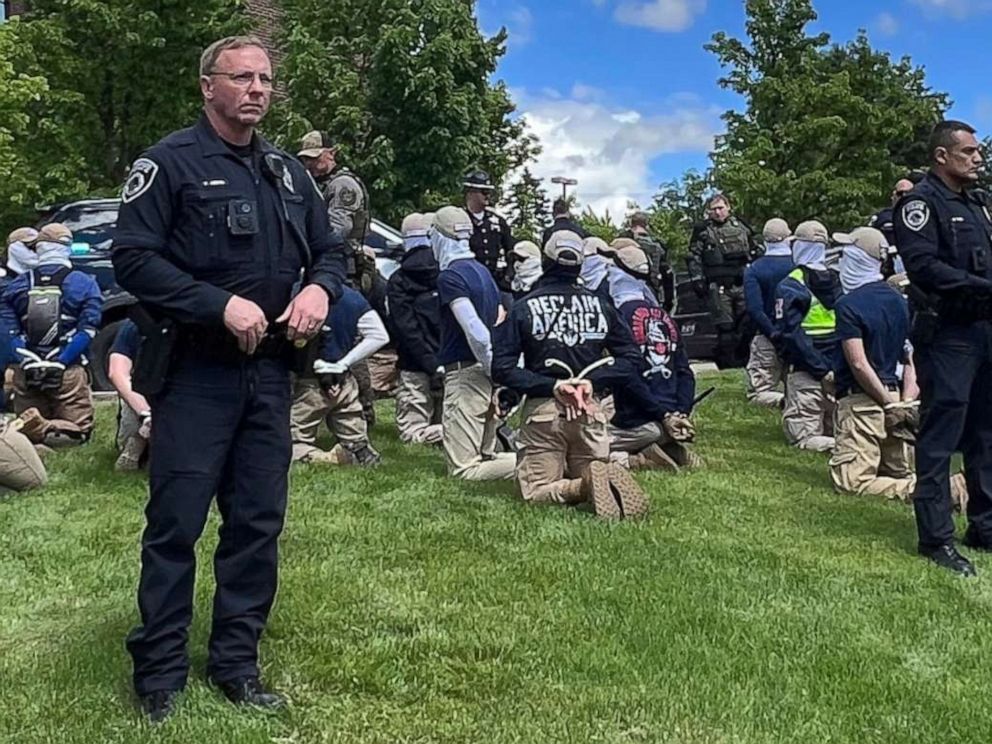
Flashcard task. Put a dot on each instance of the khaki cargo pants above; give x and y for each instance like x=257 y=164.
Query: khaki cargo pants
x=865 y=459
x=807 y=418
x=20 y=466
x=418 y=409
x=384 y=373
x=626 y=443
x=312 y=405
x=765 y=373
x=555 y=452
x=469 y=424
x=69 y=410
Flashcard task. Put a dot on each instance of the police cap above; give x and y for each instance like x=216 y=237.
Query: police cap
x=478 y=180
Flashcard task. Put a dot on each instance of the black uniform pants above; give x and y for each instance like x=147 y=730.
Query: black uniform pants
x=955 y=376
x=219 y=429
x=728 y=309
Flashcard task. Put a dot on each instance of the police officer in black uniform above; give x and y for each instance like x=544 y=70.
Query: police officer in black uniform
x=216 y=227
x=491 y=241
x=943 y=232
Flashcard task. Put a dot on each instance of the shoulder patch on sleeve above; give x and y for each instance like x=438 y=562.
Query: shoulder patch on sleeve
x=916 y=214
x=139 y=180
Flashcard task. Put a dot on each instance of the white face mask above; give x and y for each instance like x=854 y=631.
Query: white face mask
x=20 y=258
x=857 y=269
x=446 y=250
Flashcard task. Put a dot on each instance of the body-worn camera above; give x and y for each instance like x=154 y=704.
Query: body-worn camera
x=242 y=217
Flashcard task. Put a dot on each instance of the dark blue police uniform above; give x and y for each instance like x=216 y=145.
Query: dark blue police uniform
x=202 y=220
x=944 y=240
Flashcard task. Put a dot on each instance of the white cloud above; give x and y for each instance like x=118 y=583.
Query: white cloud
x=887 y=24
x=959 y=9
x=609 y=148
x=660 y=15
x=520 y=25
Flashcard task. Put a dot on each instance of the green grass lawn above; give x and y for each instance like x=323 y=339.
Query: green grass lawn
x=754 y=605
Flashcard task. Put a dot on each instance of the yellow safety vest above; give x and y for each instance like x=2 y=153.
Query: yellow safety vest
x=819 y=321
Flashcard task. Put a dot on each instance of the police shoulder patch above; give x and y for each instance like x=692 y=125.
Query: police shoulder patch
x=139 y=180
x=348 y=196
x=916 y=214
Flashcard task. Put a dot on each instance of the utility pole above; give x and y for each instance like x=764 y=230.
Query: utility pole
x=565 y=183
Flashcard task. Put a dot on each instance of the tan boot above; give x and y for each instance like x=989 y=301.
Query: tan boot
x=682 y=455
x=632 y=499
x=613 y=491
x=129 y=459
x=653 y=457
x=959 y=492
x=33 y=425
x=596 y=488
x=337 y=456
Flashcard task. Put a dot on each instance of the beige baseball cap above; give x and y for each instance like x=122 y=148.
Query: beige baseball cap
x=564 y=247
x=868 y=239
x=634 y=259
x=55 y=232
x=26 y=235
x=415 y=225
x=776 y=230
x=313 y=144
x=619 y=243
x=593 y=245
x=812 y=231
x=526 y=249
x=453 y=222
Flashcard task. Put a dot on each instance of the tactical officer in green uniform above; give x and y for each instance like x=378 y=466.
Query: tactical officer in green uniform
x=720 y=249
x=349 y=215
x=662 y=278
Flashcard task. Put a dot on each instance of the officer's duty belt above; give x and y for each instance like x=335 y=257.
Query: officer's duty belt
x=222 y=346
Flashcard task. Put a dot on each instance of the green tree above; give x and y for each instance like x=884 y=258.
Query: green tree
x=527 y=206
x=826 y=130
x=602 y=226
x=677 y=206
x=91 y=84
x=405 y=87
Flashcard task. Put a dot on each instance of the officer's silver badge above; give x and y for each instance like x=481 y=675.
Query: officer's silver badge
x=916 y=214
x=139 y=180
x=287 y=181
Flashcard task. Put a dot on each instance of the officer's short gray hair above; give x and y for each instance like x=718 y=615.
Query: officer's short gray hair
x=209 y=57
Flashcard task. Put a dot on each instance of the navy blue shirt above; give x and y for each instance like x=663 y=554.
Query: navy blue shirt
x=760 y=280
x=470 y=279
x=127 y=340
x=341 y=330
x=671 y=380
x=878 y=315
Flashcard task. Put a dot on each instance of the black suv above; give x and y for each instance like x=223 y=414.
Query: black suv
x=92 y=222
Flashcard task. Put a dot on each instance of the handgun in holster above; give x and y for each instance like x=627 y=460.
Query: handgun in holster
x=155 y=351
x=926 y=320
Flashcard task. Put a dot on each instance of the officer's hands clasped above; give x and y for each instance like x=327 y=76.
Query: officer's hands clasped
x=246 y=321
x=305 y=314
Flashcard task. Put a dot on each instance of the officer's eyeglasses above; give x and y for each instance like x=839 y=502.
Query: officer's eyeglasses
x=244 y=79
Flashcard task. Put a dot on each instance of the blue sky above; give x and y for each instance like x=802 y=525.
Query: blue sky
x=623 y=95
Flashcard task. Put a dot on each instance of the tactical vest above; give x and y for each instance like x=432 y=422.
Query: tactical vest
x=361 y=217
x=43 y=321
x=819 y=321
x=726 y=244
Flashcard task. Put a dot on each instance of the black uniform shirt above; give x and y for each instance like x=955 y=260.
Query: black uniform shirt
x=491 y=242
x=944 y=240
x=201 y=220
